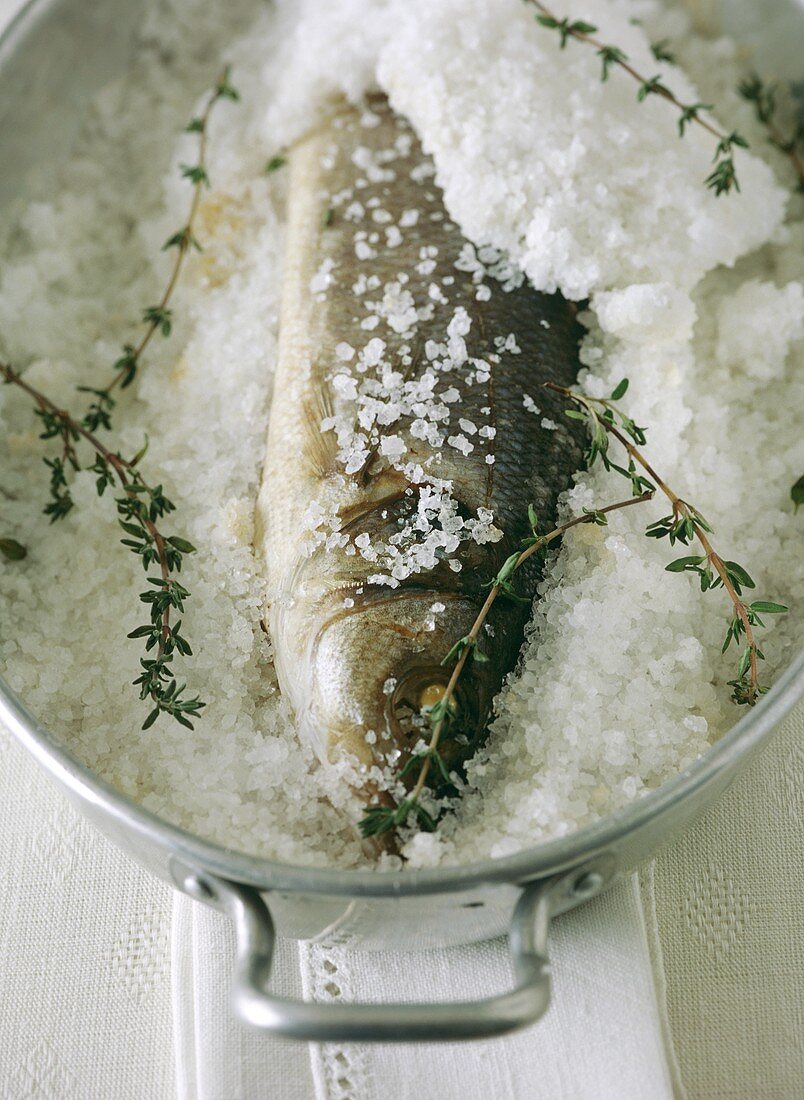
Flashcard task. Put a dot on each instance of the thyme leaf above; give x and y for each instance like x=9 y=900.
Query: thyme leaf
x=797 y=493
x=12 y=550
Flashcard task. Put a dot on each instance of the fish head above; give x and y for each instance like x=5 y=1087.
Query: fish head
x=375 y=669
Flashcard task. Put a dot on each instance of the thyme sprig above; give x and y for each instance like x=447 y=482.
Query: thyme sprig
x=723 y=177
x=379 y=819
x=763 y=96
x=158 y=319
x=140 y=508
x=684 y=525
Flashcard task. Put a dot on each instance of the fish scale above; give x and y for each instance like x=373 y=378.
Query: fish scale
x=352 y=654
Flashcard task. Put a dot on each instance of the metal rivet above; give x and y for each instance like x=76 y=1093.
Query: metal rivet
x=589 y=883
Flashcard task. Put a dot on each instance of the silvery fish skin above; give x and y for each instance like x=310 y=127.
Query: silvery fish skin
x=356 y=658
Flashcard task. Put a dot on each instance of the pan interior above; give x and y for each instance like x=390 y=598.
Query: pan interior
x=51 y=102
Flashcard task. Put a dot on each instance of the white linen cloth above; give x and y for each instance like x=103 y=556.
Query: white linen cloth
x=600 y=1040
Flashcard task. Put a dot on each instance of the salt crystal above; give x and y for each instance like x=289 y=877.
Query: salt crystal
x=393 y=447
x=364 y=251
x=323 y=278
x=460 y=443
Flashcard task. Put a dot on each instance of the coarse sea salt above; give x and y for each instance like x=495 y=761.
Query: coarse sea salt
x=697 y=300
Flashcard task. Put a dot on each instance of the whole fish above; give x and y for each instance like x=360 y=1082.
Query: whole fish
x=409 y=432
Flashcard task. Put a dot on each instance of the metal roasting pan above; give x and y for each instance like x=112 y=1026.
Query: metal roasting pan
x=52 y=58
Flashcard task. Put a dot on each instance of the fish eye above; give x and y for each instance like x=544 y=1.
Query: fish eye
x=423 y=687
x=431 y=694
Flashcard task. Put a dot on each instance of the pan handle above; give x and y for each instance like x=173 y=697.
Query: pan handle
x=526 y=1003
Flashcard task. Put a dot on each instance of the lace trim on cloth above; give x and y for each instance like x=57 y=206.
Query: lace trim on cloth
x=601 y=1037
x=340 y=1071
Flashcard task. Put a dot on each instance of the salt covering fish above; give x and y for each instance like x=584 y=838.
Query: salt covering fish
x=408 y=434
